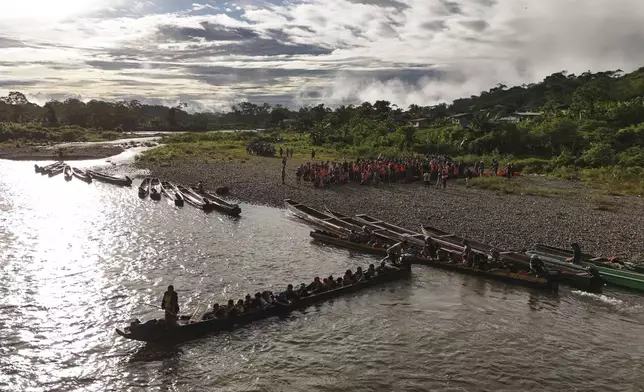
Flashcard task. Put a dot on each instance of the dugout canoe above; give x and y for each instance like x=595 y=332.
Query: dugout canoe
x=155 y=189
x=172 y=193
x=587 y=258
x=612 y=276
x=121 y=181
x=144 y=187
x=195 y=200
x=517 y=277
x=41 y=169
x=68 y=173
x=157 y=331
x=81 y=175
x=221 y=205
x=320 y=219
x=573 y=276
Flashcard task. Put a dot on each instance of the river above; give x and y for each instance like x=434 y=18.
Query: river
x=79 y=260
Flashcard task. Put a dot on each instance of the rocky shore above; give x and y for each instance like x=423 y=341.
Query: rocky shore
x=612 y=226
x=67 y=153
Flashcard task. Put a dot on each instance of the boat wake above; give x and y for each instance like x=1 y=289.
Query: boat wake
x=600 y=297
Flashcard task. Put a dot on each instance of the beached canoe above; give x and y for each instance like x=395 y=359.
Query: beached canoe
x=158 y=331
x=68 y=173
x=41 y=169
x=195 y=200
x=56 y=170
x=573 y=276
x=121 y=181
x=612 y=276
x=81 y=175
x=144 y=187
x=155 y=189
x=170 y=191
x=222 y=205
x=320 y=219
x=517 y=277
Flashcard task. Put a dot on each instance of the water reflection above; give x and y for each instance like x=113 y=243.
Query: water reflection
x=79 y=260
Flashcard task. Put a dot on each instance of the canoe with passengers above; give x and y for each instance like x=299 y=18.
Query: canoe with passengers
x=611 y=275
x=573 y=276
x=612 y=262
x=451 y=260
x=187 y=328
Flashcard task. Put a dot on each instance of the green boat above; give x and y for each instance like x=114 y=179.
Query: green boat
x=612 y=276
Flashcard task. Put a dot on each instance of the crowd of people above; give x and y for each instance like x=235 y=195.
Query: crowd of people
x=261 y=148
x=432 y=168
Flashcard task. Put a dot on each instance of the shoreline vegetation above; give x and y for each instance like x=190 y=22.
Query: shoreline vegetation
x=577 y=140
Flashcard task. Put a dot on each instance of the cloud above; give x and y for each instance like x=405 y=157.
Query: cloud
x=309 y=51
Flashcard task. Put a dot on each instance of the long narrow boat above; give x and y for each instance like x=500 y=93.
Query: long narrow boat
x=121 y=181
x=320 y=219
x=612 y=276
x=574 y=276
x=144 y=187
x=55 y=170
x=81 y=175
x=168 y=189
x=221 y=204
x=510 y=276
x=40 y=169
x=47 y=169
x=587 y=258
x=158 y=331
x=155 y=189
x=68 y=173
x=195 y=199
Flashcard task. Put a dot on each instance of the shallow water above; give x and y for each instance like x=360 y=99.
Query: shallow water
x=79 y=260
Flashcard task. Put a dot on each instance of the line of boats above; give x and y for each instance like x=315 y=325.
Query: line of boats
x=591 y=275
x=152 y=187
x=87 y=176
x=340 y=230
x=179 y=194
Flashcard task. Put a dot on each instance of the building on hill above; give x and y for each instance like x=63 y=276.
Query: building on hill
x=519 y=116
x=420 y=122
x=463 y=119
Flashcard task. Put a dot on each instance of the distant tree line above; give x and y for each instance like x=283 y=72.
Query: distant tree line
x=592 y=119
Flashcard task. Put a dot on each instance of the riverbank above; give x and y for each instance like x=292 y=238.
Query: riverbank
x=531 y=210
x=67 y=153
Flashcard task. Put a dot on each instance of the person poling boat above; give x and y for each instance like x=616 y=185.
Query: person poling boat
x=170 y=303
x=576 y=254
x=537 y=267
x=394 y=252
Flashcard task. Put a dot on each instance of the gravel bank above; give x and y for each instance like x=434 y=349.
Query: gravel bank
x=49 y=153
x=507 y=221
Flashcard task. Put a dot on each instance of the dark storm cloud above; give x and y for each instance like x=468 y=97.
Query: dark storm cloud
x=10 y=43
x=17 y=83
x=209 y=32
x=434 y=25
x=383 y=3
x=478 y=25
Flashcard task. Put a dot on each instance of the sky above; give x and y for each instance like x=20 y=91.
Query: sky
x=211 y=54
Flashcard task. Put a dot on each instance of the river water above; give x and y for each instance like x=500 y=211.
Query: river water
x=79 y=260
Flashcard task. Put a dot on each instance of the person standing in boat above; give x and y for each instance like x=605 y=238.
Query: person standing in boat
x=170 y=303
x=576 y=254
x=394 y=252
x=537 y=267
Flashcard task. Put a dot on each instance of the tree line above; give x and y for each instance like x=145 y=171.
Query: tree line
x=591 y=119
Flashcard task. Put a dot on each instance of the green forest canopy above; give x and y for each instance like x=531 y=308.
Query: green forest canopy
x=592 y=120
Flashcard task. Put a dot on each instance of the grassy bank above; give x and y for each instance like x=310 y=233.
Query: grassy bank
x=211 y=147
x=30 y=135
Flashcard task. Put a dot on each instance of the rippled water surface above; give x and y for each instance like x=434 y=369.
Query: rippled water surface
x=79 y=260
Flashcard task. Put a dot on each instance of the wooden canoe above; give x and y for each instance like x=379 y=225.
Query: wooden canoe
x=144 y=187
x=81 y=175
x=155 y=189
x=169 y=190
x=157 y=331
x=195 y=200
x=221 y=205
x=121 y=181
x=68 y=173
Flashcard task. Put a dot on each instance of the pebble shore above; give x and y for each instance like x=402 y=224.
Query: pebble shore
x=508 y=221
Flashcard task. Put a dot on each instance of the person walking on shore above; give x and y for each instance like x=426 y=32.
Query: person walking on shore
x=284 y=170
x=313 y=155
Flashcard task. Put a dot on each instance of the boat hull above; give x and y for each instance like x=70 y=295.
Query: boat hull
x=221 y=205
x=127 y=181
x=156 y=332
x=500 y=275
